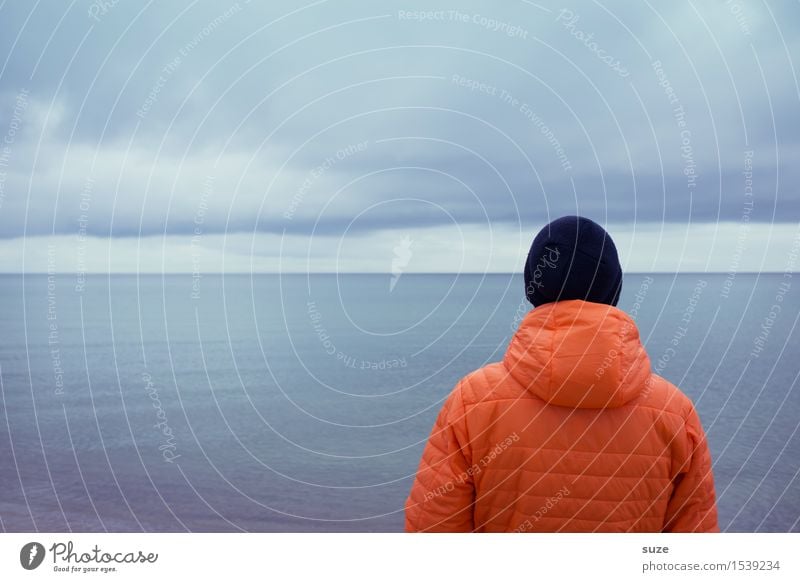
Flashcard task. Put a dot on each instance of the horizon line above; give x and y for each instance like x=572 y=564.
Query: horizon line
x=383 y=273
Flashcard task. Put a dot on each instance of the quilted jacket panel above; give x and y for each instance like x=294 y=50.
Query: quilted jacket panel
x=570 y=432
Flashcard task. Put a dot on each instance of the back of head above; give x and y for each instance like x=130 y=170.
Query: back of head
x=573 y=258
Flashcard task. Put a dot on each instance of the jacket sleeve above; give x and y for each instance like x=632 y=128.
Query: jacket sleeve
x=692 y=506
x=443 y=494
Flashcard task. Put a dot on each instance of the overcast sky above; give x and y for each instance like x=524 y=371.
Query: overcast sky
x=345 y=136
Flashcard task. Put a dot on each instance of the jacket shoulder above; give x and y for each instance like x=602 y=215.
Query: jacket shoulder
x=491 y=382
x=660 y=393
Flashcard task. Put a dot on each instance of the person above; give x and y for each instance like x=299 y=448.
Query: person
x=571 y=431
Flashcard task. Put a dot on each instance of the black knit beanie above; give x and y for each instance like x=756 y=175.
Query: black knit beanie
x=573 y=258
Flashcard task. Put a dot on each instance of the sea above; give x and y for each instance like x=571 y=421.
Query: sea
x=279 y=403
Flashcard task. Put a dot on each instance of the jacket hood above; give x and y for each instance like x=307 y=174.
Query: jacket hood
x=579 y=354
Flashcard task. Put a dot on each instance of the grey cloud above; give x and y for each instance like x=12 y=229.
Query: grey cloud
x=336 y=78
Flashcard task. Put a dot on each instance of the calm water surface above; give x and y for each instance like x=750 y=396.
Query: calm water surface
x=299 y=403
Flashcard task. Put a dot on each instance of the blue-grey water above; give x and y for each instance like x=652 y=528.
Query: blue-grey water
x=302 y=403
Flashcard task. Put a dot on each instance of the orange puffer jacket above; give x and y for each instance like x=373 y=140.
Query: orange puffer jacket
x=570 y=432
